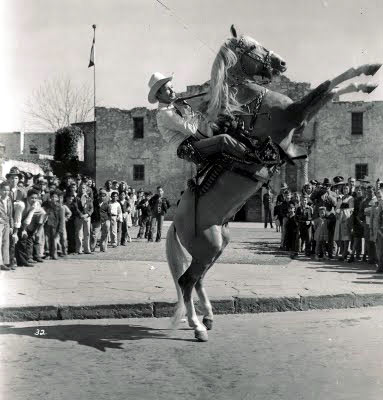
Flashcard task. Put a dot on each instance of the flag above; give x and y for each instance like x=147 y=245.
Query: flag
x=91 y=60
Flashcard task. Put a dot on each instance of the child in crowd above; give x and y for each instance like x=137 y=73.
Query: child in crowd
x=292 y=231
x=33 y=218
x=304 y=217
x=115 y=217
x=70 y=228
x=321 y=233
x=54 y=225
x=144 y=207
x=66 y=213
x=101 y=221
x=123 y=226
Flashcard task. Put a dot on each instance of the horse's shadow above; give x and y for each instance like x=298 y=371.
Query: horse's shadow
x=267 y=248
x=99 y=337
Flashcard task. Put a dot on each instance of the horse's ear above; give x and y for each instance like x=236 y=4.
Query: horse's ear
x=233 y=31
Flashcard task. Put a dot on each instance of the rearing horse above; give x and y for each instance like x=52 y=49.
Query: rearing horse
x=265 y=113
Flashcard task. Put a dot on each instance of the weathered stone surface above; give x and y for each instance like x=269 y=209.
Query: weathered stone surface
x=163 y=309
x=266 y=304
x=139 y=310
x=344 y=300
x=368 y=299
x=37 y=313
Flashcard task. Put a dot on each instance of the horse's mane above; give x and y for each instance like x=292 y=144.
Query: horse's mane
x=221 y=100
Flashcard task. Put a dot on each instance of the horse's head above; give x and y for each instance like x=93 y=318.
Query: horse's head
x=239 y=59
x=253 y=60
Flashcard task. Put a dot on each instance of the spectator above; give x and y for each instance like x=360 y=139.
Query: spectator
x=18 y=197
x=28 y=245
x=159 y=206
x=115 y=217
x=54 y=223
x=82 y=220
x=267 y=207
x=304 y=218
x=281 y=196
x=345 y=221
x=136 y=217
x=101 y=221
x=126 y=223
x=292 y=231
x=379 y=235
x=356 y=226
x=321 y=233
x=66 y=214
x=145 y=216
x=6 y=226
x=365 y=216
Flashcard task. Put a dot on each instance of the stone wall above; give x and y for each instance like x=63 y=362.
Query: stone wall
x=118 y=151
x=44 y=142
x=12 y=143
x=335 y=151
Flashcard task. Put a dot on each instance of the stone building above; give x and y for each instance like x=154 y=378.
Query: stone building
x=343 y=139
x=27 y=145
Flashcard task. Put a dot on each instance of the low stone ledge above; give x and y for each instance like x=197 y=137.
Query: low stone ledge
x=139 y=310
x=34 y=313
x=330 y=301
x=257 y=304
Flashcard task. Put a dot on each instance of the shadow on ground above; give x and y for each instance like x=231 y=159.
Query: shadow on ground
x=99 y=337
x=360 y=268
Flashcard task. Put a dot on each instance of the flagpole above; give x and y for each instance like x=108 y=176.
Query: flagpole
x=94 y=98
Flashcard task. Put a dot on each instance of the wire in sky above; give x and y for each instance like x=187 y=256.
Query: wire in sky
x=180 y=21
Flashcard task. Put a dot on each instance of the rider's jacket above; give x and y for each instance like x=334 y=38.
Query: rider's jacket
x=175 y=128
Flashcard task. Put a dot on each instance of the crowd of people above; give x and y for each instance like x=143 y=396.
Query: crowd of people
x=339 y=219
x=44 y=217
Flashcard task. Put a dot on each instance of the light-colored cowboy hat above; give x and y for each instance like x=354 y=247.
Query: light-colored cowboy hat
x=156 y=81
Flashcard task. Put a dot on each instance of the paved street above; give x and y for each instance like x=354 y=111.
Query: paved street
x=309 y=355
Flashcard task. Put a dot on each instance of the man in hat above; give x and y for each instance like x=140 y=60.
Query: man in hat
x=281 y=195
x=179 y=125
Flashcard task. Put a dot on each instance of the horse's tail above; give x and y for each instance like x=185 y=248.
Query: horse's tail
x=178 y=264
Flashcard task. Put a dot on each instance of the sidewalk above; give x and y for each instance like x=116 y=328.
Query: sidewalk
x=85 y=288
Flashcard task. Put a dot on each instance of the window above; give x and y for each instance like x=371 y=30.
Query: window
x=138 y=128
x=138 y=172
x=32 y=149
x=357 y=123
x=361 y=170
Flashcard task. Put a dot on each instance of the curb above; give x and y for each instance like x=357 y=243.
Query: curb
x=231 y=305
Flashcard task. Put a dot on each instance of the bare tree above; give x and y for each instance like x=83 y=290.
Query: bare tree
x=58 y=103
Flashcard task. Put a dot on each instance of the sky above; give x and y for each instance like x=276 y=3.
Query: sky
x=48 y=39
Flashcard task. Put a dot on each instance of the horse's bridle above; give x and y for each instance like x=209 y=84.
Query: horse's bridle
x=242 y=50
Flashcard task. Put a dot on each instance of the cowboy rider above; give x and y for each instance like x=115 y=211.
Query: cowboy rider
x=179 y=125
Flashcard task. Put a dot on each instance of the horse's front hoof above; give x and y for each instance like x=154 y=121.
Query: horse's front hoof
x=201 y=336
x=208 y=323
x=371 y=87
x=373 y=69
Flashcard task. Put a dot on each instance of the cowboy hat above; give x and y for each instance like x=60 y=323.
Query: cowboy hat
x=326 y=182
x=284 y=186
x=156 y=81
x=49 y=174
x=314 y=182
x=14 y=171
x=338 y=180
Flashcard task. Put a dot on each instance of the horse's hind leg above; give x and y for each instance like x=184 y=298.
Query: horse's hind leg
x=199 y=287
x=187 y=282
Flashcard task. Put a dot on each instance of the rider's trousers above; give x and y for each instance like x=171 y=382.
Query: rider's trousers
x=220 y=144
